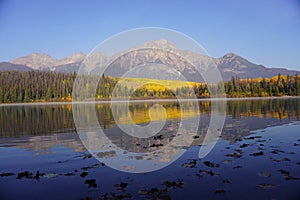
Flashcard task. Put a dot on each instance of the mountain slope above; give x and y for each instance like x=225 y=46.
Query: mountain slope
x=233 y=65
x=230 y=65
x=41 y=61
x=6 y=66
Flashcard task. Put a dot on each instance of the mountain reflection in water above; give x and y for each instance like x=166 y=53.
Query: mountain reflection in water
x=41 y=127
x=42 y=156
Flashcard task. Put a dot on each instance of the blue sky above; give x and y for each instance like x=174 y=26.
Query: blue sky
x=263 y=31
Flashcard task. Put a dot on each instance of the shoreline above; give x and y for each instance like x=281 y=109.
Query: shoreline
x=143 y=100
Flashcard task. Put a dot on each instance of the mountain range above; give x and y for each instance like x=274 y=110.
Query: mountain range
x=230 y=65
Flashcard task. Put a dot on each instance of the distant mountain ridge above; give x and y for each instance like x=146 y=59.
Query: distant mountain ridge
x=40 y=60
x=6 y=66
x=233 y=65
x=230 y=65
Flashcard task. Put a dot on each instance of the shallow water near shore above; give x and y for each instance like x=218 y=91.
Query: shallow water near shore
x=256 y=156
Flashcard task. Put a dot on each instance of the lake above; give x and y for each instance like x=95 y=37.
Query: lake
x=43 y=151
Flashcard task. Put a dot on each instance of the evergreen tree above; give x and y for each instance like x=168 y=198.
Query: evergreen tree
x=1 y=95
x=48 y=94
x=27 y=97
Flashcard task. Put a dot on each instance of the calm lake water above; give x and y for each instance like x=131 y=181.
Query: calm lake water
x=256 y=156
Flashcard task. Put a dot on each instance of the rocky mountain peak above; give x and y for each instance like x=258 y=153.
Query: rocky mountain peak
x=42 y=60
x=230 y=65
x=229 y=58
x=35 y=60
x=76 y=57
x=161 y=43
x=37 y=55
x=230 y=55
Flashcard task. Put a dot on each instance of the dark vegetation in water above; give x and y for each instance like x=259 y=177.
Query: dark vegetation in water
x=275 y=162
x=267 y=179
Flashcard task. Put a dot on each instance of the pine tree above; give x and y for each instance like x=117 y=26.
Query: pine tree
x=6 y=97
x=27 y=97
x=297 y=85
x=48 y=94
x=1 y=95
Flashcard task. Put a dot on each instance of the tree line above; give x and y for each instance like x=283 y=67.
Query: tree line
x=262 y=87
x=35 y=86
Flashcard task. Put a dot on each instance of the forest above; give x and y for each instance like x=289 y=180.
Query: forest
x=39 y=86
